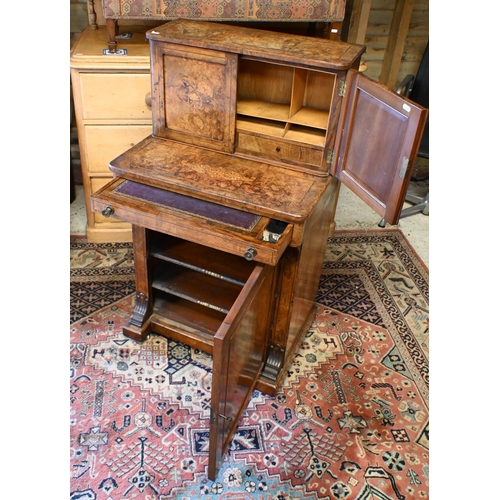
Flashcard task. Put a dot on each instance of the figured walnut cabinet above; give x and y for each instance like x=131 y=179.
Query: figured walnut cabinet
x=232 y=197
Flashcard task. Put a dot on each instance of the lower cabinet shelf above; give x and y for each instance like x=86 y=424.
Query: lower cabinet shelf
x=185 y=321
x=226 y=267
x=198 y=287
x=193 y=289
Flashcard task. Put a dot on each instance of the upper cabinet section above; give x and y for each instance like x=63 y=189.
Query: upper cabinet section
x=251 y=92
x=283 y=112
x=284 y=100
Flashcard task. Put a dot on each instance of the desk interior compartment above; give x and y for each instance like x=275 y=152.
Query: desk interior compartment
x=286 y=103
x=219 y=303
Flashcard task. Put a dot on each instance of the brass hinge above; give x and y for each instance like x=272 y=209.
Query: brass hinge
x=213 y=417
x=329 y=156
x=342 y=88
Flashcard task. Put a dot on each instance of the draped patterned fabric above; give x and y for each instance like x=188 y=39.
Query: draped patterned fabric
x=226 y=10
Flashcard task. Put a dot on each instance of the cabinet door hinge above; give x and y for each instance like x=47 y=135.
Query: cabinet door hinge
x=213 y=417
x=342 y=88
x=329 y=156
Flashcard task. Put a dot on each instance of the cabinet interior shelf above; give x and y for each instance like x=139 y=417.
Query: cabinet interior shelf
x=308 y=117
x=190 y=320
x=200 y=258
x=195 y=286
x=288 y=131
x=284 y=102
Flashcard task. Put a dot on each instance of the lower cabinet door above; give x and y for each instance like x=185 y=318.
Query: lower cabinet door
x=239 y=354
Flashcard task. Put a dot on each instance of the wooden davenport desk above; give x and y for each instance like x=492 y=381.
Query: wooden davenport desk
x=232 y=197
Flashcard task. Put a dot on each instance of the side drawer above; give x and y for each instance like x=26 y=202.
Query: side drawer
x=115 y=96
x=105 y=142
x=278 y=150
x=97 y=183
x=217 y=226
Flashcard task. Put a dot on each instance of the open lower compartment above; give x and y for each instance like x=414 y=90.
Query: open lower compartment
x=214 y=301
x=194 y=288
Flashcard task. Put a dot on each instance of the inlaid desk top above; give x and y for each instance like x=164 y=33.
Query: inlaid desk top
x=255 y=186
x=292 y=49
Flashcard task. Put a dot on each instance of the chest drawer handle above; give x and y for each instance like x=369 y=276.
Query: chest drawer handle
x=147 y=99
x=108 y=211
x=250 y=253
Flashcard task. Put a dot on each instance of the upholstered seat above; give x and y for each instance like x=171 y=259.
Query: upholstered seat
x=224 y=10
x=326 y=11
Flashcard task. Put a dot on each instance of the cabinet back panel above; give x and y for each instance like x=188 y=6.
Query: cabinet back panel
x=318 y=90
x=264 y=82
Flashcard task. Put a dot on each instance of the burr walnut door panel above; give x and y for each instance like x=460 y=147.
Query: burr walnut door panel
x=379 y=144
x=193 y=95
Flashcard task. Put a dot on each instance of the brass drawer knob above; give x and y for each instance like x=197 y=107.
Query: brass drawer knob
x=108 y=211
x=250 y=253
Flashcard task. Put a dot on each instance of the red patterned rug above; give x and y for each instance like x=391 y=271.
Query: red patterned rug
x=350 y=421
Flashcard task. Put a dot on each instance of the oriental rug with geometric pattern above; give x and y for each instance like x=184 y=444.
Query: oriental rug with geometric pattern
x=351 y=420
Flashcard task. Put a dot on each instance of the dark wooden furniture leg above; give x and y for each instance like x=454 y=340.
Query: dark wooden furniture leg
x=138 y=327
x=112 y=29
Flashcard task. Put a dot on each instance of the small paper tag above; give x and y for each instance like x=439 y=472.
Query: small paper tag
x=403 y=167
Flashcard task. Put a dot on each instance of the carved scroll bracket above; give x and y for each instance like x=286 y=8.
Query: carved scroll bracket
x=141 y=307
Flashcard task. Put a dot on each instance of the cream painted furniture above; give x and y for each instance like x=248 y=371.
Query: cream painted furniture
x=112 y=109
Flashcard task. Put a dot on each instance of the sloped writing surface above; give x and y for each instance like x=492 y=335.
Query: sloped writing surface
x=381 y=132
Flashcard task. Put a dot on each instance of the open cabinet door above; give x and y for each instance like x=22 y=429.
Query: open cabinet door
x=238 y=358
x=381 y=133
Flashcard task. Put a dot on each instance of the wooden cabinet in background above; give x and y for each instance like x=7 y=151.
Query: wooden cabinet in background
x=112 y=115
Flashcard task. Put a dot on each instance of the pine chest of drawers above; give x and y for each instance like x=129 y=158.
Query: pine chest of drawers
x=111 y=96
